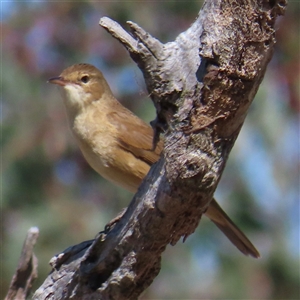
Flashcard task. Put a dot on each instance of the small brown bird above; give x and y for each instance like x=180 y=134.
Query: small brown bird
x=116 y=143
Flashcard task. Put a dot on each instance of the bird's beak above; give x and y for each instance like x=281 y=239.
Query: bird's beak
x=58 y=80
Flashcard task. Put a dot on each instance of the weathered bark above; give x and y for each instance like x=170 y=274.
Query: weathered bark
x=201 y=85
x=26 y=271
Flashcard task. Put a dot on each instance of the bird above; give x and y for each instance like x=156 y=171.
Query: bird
x=117 y=144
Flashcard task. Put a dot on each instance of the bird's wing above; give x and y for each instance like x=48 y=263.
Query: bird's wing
x=135 y=136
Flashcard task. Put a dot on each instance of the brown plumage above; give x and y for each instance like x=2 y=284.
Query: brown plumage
x=117 y=144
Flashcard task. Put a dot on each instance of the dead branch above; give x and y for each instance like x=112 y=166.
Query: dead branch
x=202 y=85
x=26 y=271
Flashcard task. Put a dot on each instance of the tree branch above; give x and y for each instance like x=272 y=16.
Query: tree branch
x=201 y=85
x=26 y=272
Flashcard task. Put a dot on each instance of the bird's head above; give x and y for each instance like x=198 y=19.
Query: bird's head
x=82 y=84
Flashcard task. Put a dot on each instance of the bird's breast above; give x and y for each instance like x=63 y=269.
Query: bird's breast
x=95 y=139
x=98 y=142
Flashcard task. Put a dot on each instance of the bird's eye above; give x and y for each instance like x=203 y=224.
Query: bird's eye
x=85 y=79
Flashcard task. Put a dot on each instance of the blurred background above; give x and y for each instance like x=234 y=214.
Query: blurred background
x=46 y=182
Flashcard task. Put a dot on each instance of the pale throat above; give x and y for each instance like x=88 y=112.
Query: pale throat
x=75 y=99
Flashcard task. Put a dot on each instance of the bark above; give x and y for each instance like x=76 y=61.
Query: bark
x=202 y=85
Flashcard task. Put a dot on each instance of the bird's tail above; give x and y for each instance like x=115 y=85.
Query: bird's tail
x=233 y=233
